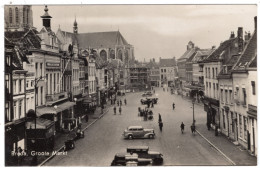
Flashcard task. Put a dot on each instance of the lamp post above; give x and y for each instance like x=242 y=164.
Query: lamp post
x=75 y=99
x=36 y=81
x=193 y=101
x=55 y=107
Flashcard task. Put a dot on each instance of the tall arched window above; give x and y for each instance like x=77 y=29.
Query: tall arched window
x=112 y=54
x=16 y=15
x=27 y=16
x=24 y=13
x=120 y=55
x=10 y=15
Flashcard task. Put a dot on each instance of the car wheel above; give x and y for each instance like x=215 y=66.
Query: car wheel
x=151 y=136
x=130 y=137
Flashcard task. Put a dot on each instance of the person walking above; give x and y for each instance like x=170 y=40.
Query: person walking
x=125 y=101
x=161 y=125
x=120 y=110
x=120 y=102
x=192 y=127
x=182 y=127
x=117 y=103
x=115 y=110
x=160 y=118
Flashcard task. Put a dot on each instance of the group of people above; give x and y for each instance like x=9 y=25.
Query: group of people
x=119 y=103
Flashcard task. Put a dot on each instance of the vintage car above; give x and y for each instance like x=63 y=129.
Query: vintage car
x=143 y=152
x=150 y=100
x=129 y=159
x=138 y=132
x=148 y=93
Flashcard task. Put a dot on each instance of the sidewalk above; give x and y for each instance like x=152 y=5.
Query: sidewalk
x=237 y=154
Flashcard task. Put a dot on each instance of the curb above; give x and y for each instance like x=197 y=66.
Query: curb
x=233 y=163
x=52 y=156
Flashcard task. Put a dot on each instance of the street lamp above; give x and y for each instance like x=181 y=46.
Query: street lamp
x=36 y=81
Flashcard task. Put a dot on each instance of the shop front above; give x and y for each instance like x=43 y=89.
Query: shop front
x=252 y=129
x=211 y=106
x=14 y=141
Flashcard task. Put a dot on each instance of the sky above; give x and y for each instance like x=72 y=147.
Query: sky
x=154 y=30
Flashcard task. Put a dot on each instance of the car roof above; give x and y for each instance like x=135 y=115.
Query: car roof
x=134 y=127
x=153 y=152
x=138 y=147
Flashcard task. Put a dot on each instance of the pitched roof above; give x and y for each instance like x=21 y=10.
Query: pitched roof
x=167 y=62
x=152 y=64
x=28 y=39
x=215 y=56
x=187 y=53
x=100 y=39
x=248 y=55
x=201 y=54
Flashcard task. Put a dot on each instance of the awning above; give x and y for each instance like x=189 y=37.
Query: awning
x=52 y=110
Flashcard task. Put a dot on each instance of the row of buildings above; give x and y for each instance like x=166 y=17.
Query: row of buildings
x=225 y=80
x=58 y=77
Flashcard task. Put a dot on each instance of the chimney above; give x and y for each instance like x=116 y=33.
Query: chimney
x=249 y=35
x=255 y=18
x=213 y=47
x=232 y=35
x=240 y=39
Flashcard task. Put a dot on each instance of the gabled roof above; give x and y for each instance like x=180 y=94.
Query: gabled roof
x=70 y=35
x=215 y=56
x=167 y=62
x=100 y=39
x=249 y=54
x=152 y=64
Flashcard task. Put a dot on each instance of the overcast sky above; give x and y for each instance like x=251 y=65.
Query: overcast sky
x=155 y=30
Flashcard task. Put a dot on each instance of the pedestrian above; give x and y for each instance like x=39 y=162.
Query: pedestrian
x=86 y=118
x=125 y=101
x=117 y=103
x=161 y=125
x=111 y=101
x=115 y=110
x=182 y=127
x=192 y=128
x=160 y=118
x=120 y=102
x=152 y=105
x=120 y=110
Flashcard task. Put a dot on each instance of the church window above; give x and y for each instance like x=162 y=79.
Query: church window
x=16 y=15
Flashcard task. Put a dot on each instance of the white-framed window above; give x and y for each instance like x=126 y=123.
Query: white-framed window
x=10 y=15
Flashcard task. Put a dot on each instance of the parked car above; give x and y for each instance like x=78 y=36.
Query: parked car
x=148 y=93
x=143 y=152
x=128 y=159
x=138 y=132
x=149 y=100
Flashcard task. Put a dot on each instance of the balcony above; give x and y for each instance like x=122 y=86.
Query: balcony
x=53 y=98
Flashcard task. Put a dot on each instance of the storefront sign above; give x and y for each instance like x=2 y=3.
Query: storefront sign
x=53 y=64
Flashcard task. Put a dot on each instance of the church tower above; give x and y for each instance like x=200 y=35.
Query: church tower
x=18 y=17
x=46 y=18
x=75 y=27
